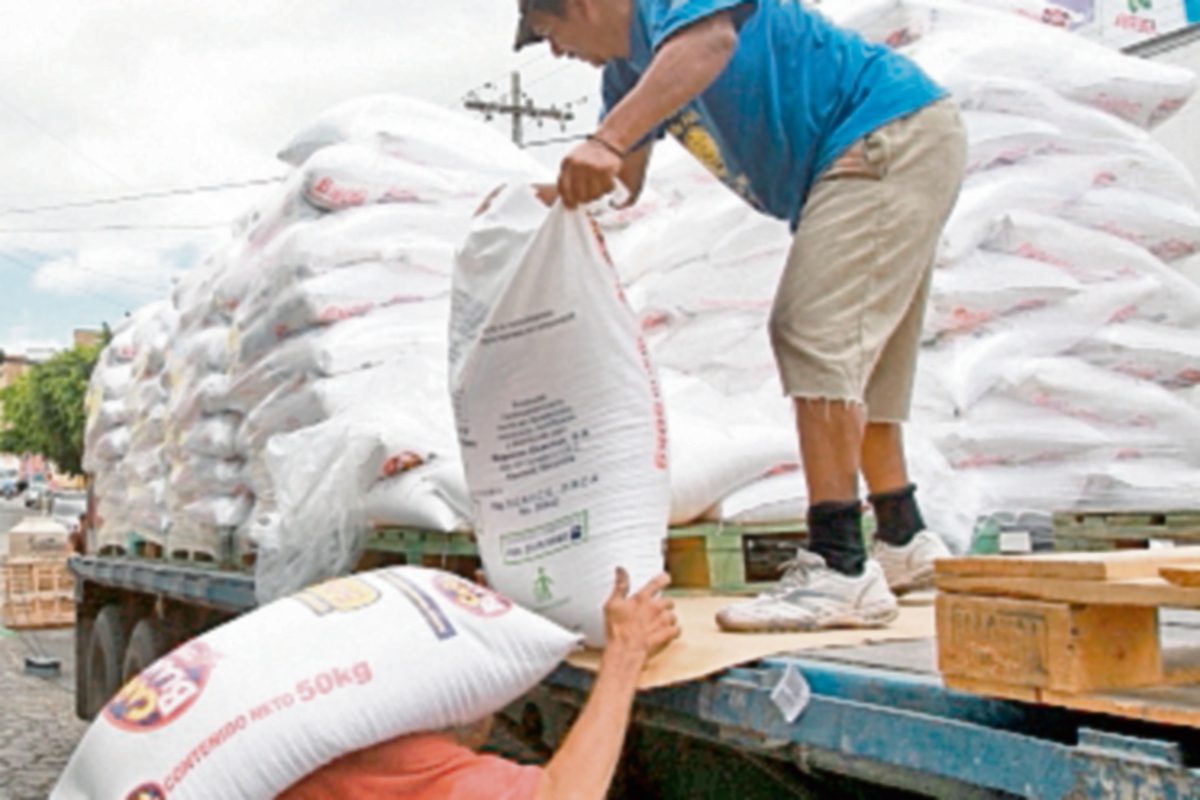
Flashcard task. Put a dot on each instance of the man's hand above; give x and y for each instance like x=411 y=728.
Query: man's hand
x=546 y=192
x=588 y=173
x=638 y=626
x=642 y=624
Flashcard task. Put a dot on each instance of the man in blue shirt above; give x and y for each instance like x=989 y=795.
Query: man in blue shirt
x=854 y=146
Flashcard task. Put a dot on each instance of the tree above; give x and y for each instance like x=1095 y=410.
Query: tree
x=44 y=409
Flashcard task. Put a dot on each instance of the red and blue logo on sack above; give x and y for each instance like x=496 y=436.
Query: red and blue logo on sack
x=471 y=597
x=164 y=691
x=148 y=791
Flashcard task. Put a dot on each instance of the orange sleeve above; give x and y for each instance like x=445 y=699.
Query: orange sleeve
x=488 y=777
x=422 y=767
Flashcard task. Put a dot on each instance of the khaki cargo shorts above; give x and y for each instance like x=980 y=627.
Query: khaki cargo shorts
x=846 y=323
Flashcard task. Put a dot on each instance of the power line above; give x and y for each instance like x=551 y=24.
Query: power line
x=35 y=124
x=548 y=75
x=491 y=84
x=108 y=201
x=99 y=228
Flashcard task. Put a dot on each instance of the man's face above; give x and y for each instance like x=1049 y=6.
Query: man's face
x=584 y=32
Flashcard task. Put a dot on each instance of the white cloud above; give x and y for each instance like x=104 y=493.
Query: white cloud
x=103 y=270
x=19 y=341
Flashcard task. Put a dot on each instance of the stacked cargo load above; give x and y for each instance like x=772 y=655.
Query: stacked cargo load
x=306 y=372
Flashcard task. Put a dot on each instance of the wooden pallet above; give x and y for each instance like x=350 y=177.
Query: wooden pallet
x=1106 y=530
x=38 y=593
x=731 y=558
x=1076 y=630
x=725 y=558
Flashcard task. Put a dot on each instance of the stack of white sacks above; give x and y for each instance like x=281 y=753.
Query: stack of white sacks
x=127 y=417
x=306 y=385
x=1061 y=362
x=1060 y=358
x=305 y=382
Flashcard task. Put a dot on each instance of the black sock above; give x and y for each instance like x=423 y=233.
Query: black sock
x=897 y=516
x=835 y=534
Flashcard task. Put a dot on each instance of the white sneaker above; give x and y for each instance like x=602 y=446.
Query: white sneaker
x=811 y=596
x=910 y=568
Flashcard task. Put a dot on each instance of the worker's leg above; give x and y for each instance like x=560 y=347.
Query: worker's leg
x=831 y=440
x=889 y=394
x=857 y=275
x=903 y=548
x=883 y=465
x=897 y=516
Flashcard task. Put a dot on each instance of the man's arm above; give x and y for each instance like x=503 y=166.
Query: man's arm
x=632 y=175
x=638 y=627
x=633 y=171
x=684 y=66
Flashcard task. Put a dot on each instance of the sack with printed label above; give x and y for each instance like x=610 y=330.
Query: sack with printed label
x=558 y=412
x=252 y=707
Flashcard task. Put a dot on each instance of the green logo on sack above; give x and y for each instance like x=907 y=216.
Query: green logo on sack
x=543 y=587
x=534 y=544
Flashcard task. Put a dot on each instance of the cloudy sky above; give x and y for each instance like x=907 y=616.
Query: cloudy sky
x=124 y=123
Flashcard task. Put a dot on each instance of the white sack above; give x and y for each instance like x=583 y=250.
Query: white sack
x=778 y=497
x=350 y=175
x=319 y=477
x=561 y=426
x=416 y=131
x=334 y=297
x=954 y=42
x=1165 y=355
x=250 y=708
x=432 y=496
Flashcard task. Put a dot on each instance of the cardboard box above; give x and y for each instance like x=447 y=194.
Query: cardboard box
x=38 y=537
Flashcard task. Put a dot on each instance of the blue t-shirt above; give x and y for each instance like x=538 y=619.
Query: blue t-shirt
x=796 y=94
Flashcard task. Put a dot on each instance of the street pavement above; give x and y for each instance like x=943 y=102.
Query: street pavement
x=38 y=728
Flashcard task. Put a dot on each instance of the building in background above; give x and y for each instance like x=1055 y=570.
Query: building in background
x=87 y=337
x=12 y=367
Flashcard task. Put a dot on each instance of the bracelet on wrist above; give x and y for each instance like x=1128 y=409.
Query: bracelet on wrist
x=607 y=145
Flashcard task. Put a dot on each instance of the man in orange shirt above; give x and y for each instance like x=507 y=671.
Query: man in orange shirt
x=445 y=765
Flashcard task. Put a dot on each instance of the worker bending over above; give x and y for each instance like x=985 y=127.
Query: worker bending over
x=445 y=765
x=863 y=154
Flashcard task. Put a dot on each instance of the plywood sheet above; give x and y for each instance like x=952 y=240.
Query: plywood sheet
x=704 y=649
x=1122 y=565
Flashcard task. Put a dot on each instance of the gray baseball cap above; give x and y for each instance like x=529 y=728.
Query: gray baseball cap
x=525 y=32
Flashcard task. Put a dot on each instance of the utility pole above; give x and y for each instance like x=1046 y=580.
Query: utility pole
x=518 y=110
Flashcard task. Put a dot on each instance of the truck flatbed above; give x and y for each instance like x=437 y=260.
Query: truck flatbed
x=878 y=716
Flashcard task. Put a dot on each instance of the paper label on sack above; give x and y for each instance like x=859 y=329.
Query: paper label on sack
x=1016 y=542
x=792 y=694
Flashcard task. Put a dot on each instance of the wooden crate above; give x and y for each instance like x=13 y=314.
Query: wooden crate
x=1077 y=630
x=38 y=593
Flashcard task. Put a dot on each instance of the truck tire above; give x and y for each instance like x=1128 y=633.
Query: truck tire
x=83 y=638
x=105 y=652
x=148 y=643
